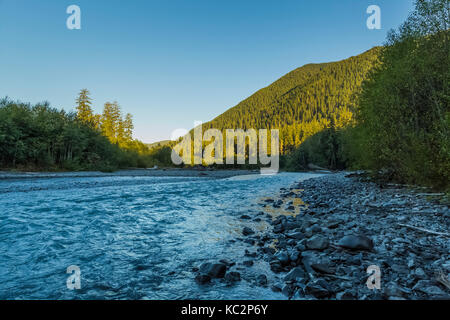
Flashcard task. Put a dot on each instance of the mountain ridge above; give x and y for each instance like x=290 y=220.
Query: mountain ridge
x=303 y=102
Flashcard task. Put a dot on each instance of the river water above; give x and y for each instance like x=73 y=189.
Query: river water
x=132 y=237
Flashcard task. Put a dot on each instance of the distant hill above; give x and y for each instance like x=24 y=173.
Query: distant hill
x=303 y=102
x=158 y=144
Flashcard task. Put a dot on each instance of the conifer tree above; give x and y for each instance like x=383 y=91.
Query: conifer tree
x=128 y=127
x=110 y=121
x=84 y=109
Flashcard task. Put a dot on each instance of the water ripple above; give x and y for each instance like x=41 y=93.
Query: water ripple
x=132 y=237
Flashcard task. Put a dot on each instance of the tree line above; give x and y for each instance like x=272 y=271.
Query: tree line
x=40 y=137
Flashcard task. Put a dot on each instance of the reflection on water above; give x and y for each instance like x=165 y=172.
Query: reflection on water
x=132 y=237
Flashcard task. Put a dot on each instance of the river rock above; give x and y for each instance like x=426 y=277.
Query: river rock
x=214 y=270
x=392 y=290
x=296 y=235
x=233 y=276
x=322 y=268
x=317 y=288
x=294 y=274
x=353 y=242
x=427 y=287
x=275 y=266
x=282 y=257
x=247 y=231
x=317 y=242
x=333 y=224
x=345 y=295
x=288 y=290
x=261 y=280
x=202 y=279
x=278 y=228
x=420 y=274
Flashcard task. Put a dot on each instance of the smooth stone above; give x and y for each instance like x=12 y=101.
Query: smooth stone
x=275 y=266
x=294 y=274
x=261 y=280
x=316 y=288
x=296 y=235
x=317 y=242
x=278 y=228
x=322 y=268
x=214 y=270
x=420 y=274
x=233 y=276
x=353 y=242
x=247 y=231
x=202 y=279
x=345 y=295
x=282 y=257
x=288 y=290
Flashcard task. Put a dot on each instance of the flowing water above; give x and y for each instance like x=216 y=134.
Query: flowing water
x=132 y=237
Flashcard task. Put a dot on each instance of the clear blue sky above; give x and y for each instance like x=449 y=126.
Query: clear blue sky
x=169 y=62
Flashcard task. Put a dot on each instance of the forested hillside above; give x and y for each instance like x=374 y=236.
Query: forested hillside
x=402 y=127
x=303 y=102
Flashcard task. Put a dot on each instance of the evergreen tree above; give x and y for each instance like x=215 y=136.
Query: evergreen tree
x=111 y=121
x=84 y=109
x=128 y=127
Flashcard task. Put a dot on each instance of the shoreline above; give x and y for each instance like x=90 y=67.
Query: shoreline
x=326 y=233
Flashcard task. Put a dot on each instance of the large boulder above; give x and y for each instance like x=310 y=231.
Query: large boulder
x=353 y=242
x=213 y=270
x=317 y=242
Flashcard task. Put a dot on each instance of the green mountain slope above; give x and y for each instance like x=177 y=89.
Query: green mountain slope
x=303 y=102
x=158 y=144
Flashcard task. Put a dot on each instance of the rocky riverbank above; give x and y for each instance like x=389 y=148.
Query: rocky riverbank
x=165 y=172
x=323 y=234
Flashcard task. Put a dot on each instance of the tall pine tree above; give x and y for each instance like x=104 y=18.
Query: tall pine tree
x=84 y=109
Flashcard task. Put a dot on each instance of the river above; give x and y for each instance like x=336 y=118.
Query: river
x=133 y=237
